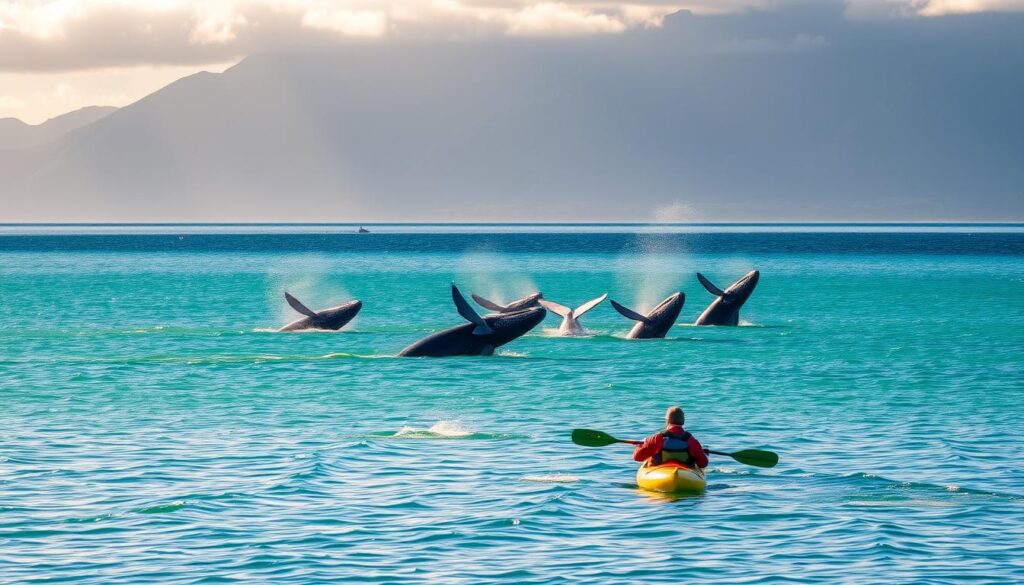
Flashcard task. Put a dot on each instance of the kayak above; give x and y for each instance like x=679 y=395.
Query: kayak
x=670 y=477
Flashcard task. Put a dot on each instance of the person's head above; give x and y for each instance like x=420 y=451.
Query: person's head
x=674 y=416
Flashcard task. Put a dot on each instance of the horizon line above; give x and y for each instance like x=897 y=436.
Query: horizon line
x=518 y=223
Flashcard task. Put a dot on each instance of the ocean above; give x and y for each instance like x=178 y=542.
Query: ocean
x=154 y=428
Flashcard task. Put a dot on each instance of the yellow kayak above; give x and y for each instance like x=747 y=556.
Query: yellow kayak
x=670 y=478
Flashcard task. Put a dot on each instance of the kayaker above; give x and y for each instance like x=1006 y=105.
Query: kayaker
x=672 y=444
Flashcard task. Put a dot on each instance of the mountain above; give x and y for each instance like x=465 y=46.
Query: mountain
x=796 y=116
x=15 y=134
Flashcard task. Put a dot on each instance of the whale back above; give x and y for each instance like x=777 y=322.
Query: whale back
x=725 y=309
x=330 y=319
x=461 y=339
x=658 y=321
x=513 y=307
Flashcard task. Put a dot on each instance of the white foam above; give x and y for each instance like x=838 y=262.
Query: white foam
x=729 y=471
x=444 y=428
x=556 y=478
x=557 y=332
x=449 y=428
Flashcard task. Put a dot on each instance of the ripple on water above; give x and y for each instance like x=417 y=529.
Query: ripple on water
x=171 y=436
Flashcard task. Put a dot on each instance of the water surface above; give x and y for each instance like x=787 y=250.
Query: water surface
x=155 y=429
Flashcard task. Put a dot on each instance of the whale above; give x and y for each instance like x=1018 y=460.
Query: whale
x=480 y=336
x=517 y=305
x=725 y=309
x=330 y=319
x=570 y=317
x=656 y=323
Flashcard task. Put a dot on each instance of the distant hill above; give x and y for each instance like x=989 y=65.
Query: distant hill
x=914 y=120
x=15 y=134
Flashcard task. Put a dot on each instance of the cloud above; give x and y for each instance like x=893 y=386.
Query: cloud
x=84 y=34
x=64 y=91
x=864 y=9
x=943 y=7
x=353 y=23
x=9 y=102
x=647 y=16
x=66 y=35
x=547 y=19
x=216 y=23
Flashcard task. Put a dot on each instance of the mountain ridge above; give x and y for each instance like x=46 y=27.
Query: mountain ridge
x=17 y=135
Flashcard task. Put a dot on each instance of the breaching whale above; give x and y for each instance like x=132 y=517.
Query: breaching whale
x=331 y=319
x=481 y=336
x=725 y=310
x=570 y=318
x=523 y=303
x=658 y=321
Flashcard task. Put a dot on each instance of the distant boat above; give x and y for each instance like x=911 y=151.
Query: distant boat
x=363 y=230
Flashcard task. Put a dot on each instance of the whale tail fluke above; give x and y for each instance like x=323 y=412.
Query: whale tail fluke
x=298 y=306
x=630 y=314
x=710 y=286
x=563 y=311
x=580 y=310
x=489 y=305
x=560 y=310
x=469 y=314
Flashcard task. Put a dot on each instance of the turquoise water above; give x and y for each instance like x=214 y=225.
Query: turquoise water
x=154 y=428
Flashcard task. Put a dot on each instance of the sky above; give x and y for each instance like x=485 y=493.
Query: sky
x=513 y=110
x=59 y=55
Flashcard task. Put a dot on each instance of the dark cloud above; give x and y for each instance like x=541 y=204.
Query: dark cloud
x=62 y=36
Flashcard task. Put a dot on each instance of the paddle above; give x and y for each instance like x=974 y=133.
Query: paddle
x=755 y=457
x=589 y=438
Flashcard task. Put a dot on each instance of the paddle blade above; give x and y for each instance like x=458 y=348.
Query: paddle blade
x=589 y=438
x=756 y=457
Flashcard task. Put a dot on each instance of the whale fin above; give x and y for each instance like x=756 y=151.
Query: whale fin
x=469 y=314
x=711 y=288
x=490 y=306
x=589 y=305
x=560 y=310
x=294 y=302
x=630 y=314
